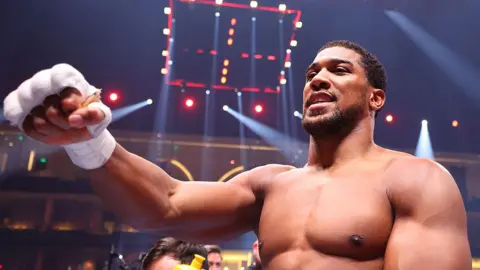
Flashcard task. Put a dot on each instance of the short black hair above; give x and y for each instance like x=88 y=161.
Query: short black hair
x=213 y=249
x=374 y=69
x=181 y=250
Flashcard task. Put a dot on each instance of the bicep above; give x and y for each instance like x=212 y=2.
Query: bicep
x=413 y=245
x=430 y=230
x=206 y=211
x=211 y=199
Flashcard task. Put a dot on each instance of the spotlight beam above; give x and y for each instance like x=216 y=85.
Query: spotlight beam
x=457 y=69
x=282 y=142
x=424 y=147
x=122 y=112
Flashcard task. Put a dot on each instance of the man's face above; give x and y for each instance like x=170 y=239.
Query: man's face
x=214 y=261
x=335 y=93
x=167 y=262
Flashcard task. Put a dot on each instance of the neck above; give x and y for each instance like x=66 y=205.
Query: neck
x=329 y=151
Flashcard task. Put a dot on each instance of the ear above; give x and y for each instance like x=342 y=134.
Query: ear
x=377 y=99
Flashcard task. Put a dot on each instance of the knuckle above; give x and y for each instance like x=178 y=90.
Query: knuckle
x=39 y=123
x=52 y=113
x=69 y=104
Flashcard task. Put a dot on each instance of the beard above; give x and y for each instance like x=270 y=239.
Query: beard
x=337 y=124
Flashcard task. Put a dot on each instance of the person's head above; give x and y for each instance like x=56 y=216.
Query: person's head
x=168 y=252
x=345 y=83
x=256 y=254
x=214 y=257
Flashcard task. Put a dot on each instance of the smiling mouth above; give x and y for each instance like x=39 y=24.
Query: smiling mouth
x=319 y=100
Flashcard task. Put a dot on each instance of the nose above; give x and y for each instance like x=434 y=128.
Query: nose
x=319 y=82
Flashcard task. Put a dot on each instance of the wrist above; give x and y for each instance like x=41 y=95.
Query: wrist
x=94 y=153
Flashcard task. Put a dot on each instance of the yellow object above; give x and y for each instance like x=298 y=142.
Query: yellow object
x=195 y=265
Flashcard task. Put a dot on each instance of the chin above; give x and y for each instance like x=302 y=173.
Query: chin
x=333 y=123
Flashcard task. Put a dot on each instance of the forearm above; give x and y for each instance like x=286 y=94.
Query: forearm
x=134 y=189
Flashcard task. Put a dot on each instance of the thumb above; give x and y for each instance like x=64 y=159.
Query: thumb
x=84 y=117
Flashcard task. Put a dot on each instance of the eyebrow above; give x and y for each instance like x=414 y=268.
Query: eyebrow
x=333 y=60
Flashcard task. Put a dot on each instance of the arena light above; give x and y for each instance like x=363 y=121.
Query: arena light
x=224 y=71
x=296 y=114
x=226 y=62
x=225 y=107
x=289 y=51
x=189 y=102
x=389 y=118
x=230 y=41
x=231 y=31
x=424 y=122
x=253 y=4
x=166 y=31
x=149 y=101
x=113 y=97
x=239 y=94
x=455 y=123
x=258 y=108
x=164 y=53
x=164 y=71
x=167 y=10
x=223 y=80
x=217 y=14
x=298 y=24
x=283 y=81
x=282 y=7
x=233 y=21
x=218 y=2
x=293 y=43
x=207 y=92
x=288 y=64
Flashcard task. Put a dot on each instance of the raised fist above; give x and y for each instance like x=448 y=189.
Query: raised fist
x=57 y=106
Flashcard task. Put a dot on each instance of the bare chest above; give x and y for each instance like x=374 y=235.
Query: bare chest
x=348 y=217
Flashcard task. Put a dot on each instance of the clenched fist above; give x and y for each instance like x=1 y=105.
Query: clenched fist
x=63 y=118
x=57 y=106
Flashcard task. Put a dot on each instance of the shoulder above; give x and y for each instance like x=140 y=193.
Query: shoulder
x=416 y=183
x=258 y=177
x=413 y=170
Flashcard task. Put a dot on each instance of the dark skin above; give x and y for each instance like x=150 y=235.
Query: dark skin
x=354 y=205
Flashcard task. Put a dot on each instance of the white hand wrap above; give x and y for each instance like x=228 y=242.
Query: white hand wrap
x=17 y=105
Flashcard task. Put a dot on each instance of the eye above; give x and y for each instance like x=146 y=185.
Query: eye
x=341 y=70
x=311 y=75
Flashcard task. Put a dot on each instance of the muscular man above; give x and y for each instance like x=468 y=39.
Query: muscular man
x=354 y=205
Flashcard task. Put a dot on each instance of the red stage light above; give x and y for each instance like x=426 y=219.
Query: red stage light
x=232 y=161
x=258 y=108
x=189 y=102
x=113 y=97
x=389 y=118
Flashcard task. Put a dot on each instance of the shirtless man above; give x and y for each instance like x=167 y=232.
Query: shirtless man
x=354 y=205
